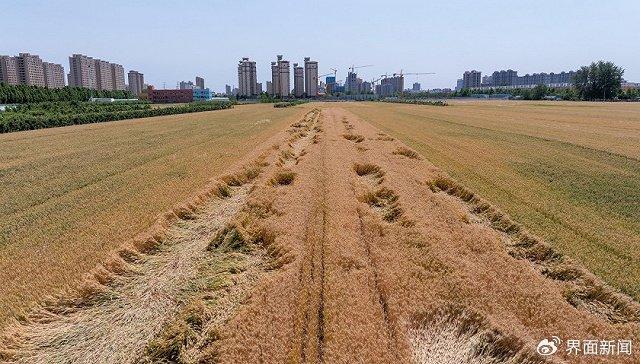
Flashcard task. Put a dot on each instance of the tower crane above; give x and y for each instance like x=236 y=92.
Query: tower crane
x=334 y=73
x=352 y=68
x=401 y=74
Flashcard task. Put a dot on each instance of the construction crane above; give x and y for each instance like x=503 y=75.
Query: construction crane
x=334 y=73
x=415 y=74
x=352 y=68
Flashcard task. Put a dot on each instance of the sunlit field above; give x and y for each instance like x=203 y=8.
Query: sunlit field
x=72 y=194
x=570 y=172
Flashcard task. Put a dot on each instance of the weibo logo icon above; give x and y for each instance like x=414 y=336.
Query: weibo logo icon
x=548 y=347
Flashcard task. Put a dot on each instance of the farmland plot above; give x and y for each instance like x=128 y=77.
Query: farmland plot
x=338 y=243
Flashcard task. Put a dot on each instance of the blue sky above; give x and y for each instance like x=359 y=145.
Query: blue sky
x=171 y=41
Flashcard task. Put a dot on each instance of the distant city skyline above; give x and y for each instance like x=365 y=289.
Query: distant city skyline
x=175 y=41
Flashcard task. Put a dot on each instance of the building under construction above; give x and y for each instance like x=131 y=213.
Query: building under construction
x=390 y=86
x=353 y=84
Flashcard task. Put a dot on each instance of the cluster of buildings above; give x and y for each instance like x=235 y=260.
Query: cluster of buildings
x=186 y=91
x=96 y=74
x=509 y=79
x=28 y=69
x=305 y=79
x=84 y=71
x=390 y=86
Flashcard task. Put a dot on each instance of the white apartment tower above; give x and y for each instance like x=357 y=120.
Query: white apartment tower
x=247 y=78
x=310 y=77
x=298 y=80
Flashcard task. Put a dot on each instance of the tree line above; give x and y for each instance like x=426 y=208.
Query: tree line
x=598 y=81
x=22 y=94
x=38 y=116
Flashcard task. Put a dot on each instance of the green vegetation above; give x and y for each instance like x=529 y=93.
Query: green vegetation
x=21 y=94
x=416 y=102
x=54 y=114
x=289 y=103
x=600 y=80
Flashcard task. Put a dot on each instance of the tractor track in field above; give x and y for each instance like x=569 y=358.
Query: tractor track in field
x=340 y=244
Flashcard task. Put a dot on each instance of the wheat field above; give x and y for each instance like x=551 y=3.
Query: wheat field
x=568 y=171
x=333 y=241
x=71 y=195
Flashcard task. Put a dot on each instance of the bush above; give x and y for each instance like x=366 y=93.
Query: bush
x=288 y=103
x=417 y=102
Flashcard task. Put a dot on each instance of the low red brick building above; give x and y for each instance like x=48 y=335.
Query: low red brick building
x=169 y=96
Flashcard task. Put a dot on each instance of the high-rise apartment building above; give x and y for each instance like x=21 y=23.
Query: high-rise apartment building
x=82 y=72
x=471 y=79
x=29 y=69
x=269 y=88
x=284 y=78
x=275 y=80
x=259 y=88
x=136 y=82
x=186 y=85
x=416 y=87
x=227 y=90
x=390 y=86
x=298 y=80
x=351 y=83
x=9 y=70
x=200 y=83
x=104 y=75
x=504 y=78
x=95 y=74
x=310 y=77
x=53 y=75
x=117 y=73
x=247 y=78
x=366 y=87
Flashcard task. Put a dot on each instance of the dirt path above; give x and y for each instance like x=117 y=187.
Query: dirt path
x=346 y=247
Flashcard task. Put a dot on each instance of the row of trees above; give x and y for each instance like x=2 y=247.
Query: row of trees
x=21 y=94
x=27 y=118
x=599 y=81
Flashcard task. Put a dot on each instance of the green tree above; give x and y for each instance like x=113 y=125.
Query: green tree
x=539 y=92
x=600 y=80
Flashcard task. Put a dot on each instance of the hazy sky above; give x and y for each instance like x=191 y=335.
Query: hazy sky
x=174 y=40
